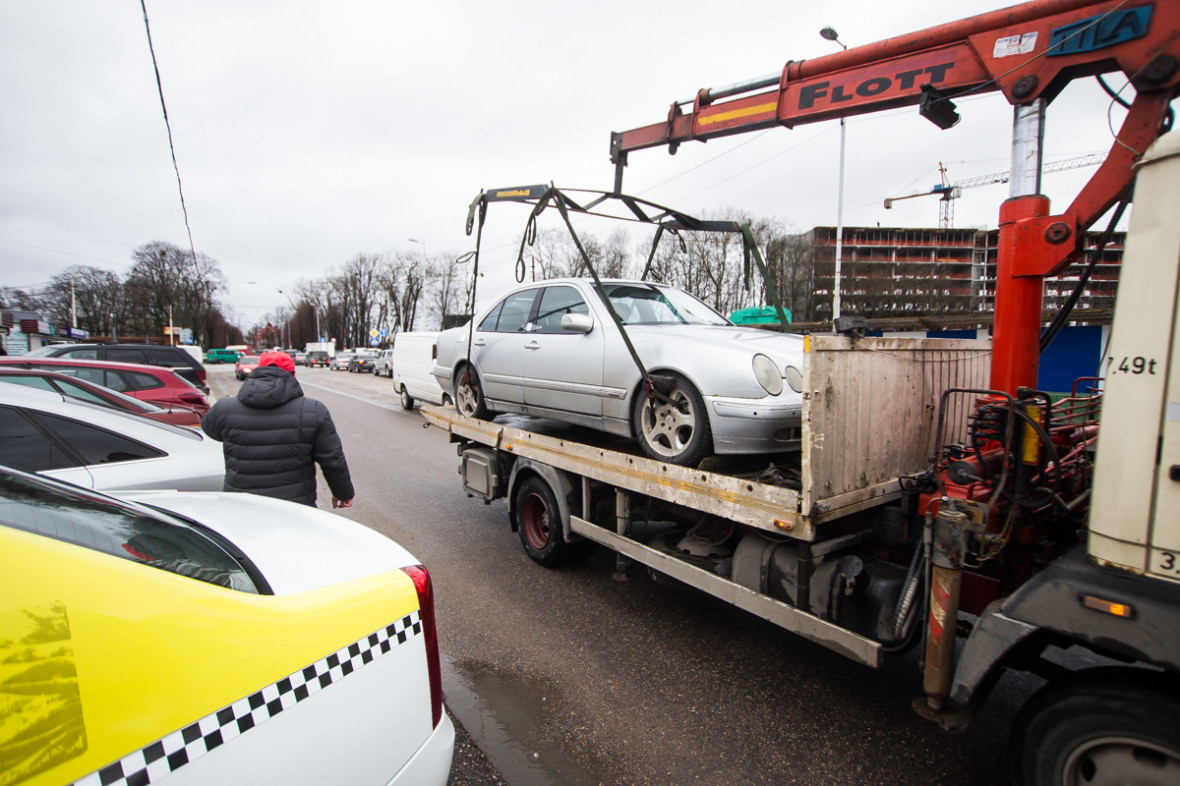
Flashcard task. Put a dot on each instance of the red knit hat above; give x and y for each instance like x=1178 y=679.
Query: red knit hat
x=280 y=359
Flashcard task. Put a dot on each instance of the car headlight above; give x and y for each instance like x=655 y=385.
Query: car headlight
x=768 y=375
x=794 y=378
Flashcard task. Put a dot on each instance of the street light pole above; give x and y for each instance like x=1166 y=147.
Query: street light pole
x=830 y=34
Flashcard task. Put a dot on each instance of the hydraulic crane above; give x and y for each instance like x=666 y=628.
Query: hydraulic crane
x=1028 y=53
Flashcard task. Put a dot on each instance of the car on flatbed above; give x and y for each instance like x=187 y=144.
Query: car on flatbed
x=214 y=638
x=553 y=349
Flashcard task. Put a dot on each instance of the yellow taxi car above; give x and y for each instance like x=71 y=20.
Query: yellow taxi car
x=207 y=637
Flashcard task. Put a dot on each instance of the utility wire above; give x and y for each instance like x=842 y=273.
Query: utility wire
x=168 y=125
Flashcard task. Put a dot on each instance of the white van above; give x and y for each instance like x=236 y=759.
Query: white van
x=413 y=359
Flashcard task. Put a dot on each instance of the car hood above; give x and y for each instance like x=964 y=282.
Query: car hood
x=296 y=547
x=782 y=347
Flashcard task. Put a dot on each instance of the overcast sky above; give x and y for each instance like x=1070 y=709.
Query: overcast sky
x=308 y=132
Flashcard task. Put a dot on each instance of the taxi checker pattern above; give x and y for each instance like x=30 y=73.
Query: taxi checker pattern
x=170 y=753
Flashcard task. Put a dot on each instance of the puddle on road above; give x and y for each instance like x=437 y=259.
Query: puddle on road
x=506 y=715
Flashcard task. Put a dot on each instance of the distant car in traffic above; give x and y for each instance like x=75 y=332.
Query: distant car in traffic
x=100 y=448
x=383 y=364
x=245 y=364
x=317 y=357
x=80 y=389
x=552 y=349
x=156 y=384
x=175 y=358
x=362 y=362
x=301 y=359
x=341 y=362
x=222 y=356
x=214 y=638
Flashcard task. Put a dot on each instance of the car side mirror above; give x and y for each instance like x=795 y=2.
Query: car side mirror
x=577 y=323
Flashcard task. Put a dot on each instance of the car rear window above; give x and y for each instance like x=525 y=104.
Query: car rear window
x=95 y=445
x=25 y=447
x=136 y=534
x=126 y=355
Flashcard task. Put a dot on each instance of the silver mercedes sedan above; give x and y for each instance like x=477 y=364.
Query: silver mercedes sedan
x=552 y=349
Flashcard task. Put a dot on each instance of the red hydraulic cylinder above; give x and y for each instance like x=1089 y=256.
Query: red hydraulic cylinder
x=1016 y=336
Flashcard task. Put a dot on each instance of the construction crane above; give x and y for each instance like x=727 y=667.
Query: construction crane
x=948 y=191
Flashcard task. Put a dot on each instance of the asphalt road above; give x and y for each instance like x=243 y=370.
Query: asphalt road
x=570 y=676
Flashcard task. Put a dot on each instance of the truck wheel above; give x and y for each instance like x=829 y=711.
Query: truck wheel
x=676 y=431
x=538 y=522
x=1106 y=732
x=407 y=399
x=469 y=399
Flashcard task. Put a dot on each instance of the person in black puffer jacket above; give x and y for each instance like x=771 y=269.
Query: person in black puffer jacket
x=273 y=436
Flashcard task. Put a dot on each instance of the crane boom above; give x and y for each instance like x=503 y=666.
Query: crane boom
x=1028 y=53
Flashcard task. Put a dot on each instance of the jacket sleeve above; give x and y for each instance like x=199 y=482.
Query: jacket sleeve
x=213 y=424
x=329 y=454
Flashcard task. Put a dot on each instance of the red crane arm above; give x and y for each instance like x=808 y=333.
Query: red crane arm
x=1027 y=51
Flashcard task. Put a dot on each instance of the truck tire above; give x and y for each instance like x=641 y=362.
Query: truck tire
x=538 y=522
x=469 y=399
x=407 y=399
x=1112 y=729
x=676 y=431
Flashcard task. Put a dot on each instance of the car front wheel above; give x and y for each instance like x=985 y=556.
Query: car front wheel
x=407 y=399
x=469 y=400
x=677 y=429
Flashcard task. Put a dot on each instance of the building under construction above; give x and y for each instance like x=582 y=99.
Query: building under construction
x=904 y=278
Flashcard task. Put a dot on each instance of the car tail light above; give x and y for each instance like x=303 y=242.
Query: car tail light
x=430 y=633
x=201 y=374
x=189 y=398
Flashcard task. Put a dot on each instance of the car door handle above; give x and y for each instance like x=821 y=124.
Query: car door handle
x=479 y=342
x=532 y=345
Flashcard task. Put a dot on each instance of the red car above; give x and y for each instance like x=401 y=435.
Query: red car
x=155 y=384
x=78 y=388
x=245 y=364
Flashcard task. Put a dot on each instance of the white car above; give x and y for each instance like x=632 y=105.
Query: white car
x=413 y=369
x=210 y=637
x=100 y=448
x=552 y=349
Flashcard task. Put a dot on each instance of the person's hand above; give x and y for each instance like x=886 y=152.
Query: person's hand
x=341 y=503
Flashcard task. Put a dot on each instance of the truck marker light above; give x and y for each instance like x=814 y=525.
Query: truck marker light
x=1108 y=606
x=782 y=524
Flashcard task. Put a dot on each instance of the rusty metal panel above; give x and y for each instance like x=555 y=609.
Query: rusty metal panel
x=870 y=413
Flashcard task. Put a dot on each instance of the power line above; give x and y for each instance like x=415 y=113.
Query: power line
x=168 y=125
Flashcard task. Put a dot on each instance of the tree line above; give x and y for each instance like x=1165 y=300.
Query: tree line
x=401 y=291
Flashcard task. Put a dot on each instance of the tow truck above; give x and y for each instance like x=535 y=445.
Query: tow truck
x=952 y=505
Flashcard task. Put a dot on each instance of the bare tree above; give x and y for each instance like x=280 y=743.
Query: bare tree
x=167 y=284
x=94 y=294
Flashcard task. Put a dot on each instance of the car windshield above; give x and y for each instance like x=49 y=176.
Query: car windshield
x=645 y=304
x=248 y=360
x=106 y=525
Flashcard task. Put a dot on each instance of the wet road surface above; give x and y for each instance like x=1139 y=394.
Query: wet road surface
x=570 y=676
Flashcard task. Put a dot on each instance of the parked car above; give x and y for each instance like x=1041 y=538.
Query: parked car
x=413 y=369
x=220 y=638
x=222 y=356
x=362 y=361
x=82 y=390
x=97 y=447
x=245 y=364
x=341 y=362
x=155 y=384
x=383 y=364
x=552 y=349
x=174 y=358
x=317 y=357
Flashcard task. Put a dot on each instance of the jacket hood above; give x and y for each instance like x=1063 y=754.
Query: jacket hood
x=267 y=387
